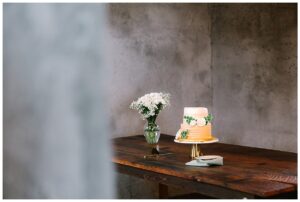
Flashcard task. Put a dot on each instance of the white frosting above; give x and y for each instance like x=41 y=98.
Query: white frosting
x=199 y=111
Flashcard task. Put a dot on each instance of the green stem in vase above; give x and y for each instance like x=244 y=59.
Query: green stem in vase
x=151 y=130
x=151 y=137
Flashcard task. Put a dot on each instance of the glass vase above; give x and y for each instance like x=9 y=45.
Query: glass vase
x=151 y=132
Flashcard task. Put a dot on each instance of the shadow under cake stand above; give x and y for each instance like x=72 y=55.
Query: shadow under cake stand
x=195 y=150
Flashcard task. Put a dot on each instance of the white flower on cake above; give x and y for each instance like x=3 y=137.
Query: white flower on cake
x=151 y=104
x=193 y=122
x=201 y=122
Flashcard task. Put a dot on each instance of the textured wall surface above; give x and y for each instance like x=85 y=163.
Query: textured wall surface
x=157 y=47
x=254 y=73
x=54 y=135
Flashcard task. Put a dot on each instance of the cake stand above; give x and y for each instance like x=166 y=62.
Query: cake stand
x=195 y=151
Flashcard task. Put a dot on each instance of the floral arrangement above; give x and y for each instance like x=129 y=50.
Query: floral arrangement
x=151 y=104
x=149 y=107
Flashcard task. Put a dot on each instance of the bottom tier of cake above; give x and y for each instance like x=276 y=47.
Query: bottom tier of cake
x=195 y=133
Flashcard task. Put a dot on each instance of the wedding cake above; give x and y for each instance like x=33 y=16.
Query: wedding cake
x=196 y=125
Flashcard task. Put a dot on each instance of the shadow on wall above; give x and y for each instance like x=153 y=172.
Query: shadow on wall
x=55 y=136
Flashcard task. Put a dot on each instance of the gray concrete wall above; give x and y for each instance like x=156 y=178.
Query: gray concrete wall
x=157 y=47
x=254 y=74
x=239 y=59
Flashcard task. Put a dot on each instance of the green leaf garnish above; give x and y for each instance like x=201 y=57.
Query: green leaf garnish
x=189 y=119
x=184 y=134
x=208 y=119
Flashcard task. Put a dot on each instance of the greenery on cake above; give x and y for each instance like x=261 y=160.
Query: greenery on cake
x=184 y=134
x=189 y=119
x=208 y=119
x=193 y=121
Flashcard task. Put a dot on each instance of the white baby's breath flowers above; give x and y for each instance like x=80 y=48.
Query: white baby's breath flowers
x=201 y=122
x=151 y=104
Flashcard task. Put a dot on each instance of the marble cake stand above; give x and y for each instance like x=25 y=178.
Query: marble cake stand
x=195 y=151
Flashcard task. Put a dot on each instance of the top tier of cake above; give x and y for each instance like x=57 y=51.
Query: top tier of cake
x=198 y=112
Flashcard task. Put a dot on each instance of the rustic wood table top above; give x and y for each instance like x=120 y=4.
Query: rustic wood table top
x=247 y=171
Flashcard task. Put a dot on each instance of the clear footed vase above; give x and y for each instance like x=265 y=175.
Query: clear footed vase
x=151 y=133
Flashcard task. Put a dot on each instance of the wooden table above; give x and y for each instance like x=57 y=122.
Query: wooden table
x=247 y=172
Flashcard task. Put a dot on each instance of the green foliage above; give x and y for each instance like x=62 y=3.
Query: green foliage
x=184 y=134
x=208 y=119
x=188 y=119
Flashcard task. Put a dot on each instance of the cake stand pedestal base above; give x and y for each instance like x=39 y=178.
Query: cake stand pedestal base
x=195 y=151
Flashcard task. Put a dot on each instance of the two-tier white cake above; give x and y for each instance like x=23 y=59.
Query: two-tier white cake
x=196 y=125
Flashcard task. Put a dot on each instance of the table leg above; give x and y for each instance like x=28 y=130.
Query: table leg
x=162 y=191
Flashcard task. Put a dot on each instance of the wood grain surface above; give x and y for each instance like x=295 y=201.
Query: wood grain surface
x=253 y=171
